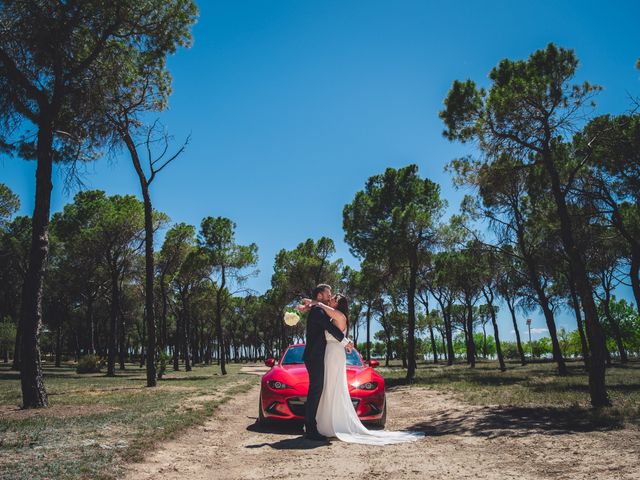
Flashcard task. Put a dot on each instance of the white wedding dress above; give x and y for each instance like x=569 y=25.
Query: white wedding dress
x=336 y=416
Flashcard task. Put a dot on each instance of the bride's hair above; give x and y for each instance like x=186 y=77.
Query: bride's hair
x=343 y=306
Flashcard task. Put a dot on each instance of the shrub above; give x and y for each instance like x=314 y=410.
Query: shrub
x=89 y=364
x=162 y=359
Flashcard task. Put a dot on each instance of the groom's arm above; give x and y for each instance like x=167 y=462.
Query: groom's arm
x=317 y=315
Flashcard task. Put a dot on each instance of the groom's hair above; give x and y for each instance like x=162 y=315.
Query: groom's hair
x=319 y=289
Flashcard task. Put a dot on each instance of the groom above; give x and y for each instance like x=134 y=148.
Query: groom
x=317 y=322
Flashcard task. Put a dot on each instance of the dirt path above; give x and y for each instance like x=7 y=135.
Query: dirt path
x=462 y=442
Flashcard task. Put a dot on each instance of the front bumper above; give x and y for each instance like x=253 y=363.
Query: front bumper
x=369 y=406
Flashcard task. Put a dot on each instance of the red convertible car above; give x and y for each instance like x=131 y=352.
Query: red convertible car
x=284 y=388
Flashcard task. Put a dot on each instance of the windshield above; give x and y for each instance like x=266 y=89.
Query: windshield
x=293 y=356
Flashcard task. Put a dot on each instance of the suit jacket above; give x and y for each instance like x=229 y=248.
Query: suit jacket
x=317 y=322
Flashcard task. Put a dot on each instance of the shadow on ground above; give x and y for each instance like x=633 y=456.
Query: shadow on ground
x=298 y=443
x=277 y=428
x=284 y=428
x=493 y=422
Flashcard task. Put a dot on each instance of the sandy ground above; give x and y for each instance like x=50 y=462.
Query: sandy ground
x=461 y=441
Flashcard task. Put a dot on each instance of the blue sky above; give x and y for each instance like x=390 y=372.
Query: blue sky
x=292 y=105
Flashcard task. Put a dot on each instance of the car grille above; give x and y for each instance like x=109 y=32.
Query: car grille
x=297 y=405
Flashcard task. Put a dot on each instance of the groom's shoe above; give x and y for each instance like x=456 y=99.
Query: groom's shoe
x=315 y=436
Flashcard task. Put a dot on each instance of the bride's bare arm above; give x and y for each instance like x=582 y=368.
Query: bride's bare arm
x=337 y=316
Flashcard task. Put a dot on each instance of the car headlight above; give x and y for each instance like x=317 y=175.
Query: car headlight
x=368 y=386
x=278 y=385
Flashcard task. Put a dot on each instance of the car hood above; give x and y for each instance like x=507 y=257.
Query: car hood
x=296 y=375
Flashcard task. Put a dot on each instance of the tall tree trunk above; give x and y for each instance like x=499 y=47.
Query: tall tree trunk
x=448 y=329
x=368 y=319
x=355 y=333
x=15 y=365
x=543 y=301
x=186 y=335
x=207 y=352
x=434 y=348
x=485 y=348
x=122 y=349
x=387 y=338
x=425 y=301
x=177 y=340
x=597 y=388
x=553 y=334
x=512 y=310
x=466 y=340
x=92 y=327
x=58 y=341
x=113 y=321
x=219 y=334
x=403 y=349
x=411 y=327
x=471 y=346
x=576 y=309
x=34 y=394
x=617 y=335
x=149 y=316
x=163 y=317
x=490 y=297
x=634 y=273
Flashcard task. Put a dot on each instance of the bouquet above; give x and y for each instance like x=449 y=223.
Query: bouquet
x=291 y=317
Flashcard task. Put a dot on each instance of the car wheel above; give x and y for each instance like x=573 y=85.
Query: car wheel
x=261 y=418
x=383 y=419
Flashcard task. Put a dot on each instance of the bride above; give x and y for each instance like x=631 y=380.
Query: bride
x=336 y=416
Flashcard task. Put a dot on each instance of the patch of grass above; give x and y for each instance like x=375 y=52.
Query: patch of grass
x=95 y=423
x=536 y=384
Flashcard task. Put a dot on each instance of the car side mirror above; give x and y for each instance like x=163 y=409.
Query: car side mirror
x=374 y=363
x=270 y=362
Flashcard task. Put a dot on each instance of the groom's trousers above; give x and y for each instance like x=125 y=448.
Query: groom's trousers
x=316 y=383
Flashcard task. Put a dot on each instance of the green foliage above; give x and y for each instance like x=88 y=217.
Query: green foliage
x=462 y=106
x=217 y=239
x=7 y=335
x=296 y=272
x=393 y=223
x=485 y=345
x=162 y=359
x=9 y=204
x=89 y=364
x=538 y=348
x=510 y=350
x=68 y=59
x=98 y=225
x=15 y=240
x=394 y=217
x=628 y=319
x=179 y=239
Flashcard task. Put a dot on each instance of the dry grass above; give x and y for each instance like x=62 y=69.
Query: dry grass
x=96 y=423
x=534 y=385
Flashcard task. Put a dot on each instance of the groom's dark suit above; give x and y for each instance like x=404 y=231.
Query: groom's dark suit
x=317 y=322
